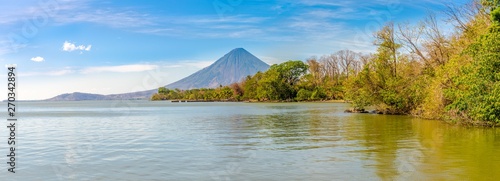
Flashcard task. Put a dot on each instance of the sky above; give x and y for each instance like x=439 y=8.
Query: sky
x=108 y=47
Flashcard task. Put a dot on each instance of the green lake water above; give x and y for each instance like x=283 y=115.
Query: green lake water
x=142 y=140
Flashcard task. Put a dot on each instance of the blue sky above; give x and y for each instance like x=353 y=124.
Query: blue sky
x=107 y=47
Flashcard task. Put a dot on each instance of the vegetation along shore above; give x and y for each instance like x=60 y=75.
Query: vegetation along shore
x=416 y=70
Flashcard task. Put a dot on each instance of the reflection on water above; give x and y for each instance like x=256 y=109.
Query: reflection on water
x=243 y=141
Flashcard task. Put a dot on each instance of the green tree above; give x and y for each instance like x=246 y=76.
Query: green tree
x=388 y=80
x=477 y=93
x=284 y=78
x=162 y=90
x=387 y=49
x=290 y=71
x=318 y=93
x=250 y=86
x=226 y=93
x=303 y=95
x=269 y=87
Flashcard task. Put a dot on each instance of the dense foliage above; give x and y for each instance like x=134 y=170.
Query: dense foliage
x=219 y=94
x=416 y=70
x=477 y=92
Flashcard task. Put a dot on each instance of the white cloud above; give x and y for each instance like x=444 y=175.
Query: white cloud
x=65 y=71
x=38 y=59
x=120 y=68
x=69 y=47
x=199 y=64
x=101 y=69
x=60 y=72
x=271 y=60
x=323 y=3
x=190 y=64
x=88 y=48
x=119 y=18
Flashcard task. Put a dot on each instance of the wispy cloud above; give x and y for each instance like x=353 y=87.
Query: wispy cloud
x=72 y=11
x=199 y=64
x=271 y=60
x=97 y=69
x=119 y=68
x=65 y=71
x=363 y=4
x=60 y=72
x=324 y=3
x=239 y=26
x=187 y=64
x=29 y=10
x=190 y=63
x=115 y=19
x=37 y=59
x=340 y=13
x=4 y=47
x=239 y=19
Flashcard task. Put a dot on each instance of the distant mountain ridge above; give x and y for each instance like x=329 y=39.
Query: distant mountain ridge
x=232 y=67
x=80 y=96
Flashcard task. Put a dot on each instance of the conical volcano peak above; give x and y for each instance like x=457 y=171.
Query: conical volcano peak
x=232 y=67
x=239 y=50
x=239 y=54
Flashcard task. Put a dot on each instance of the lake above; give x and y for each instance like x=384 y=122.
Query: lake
x=142 y=140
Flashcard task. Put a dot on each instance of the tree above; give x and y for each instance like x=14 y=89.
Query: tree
x=285 y=76
x=290 y=71
x=389 y=79
x=226 y=93
x=270 y=86
x=238 y=90
x=315 y=69
x=279 y=82
x=388 y=48
x=331 y=67
x=251 y=84
x=477 y=95
x=162 y=90
x=303 y=95
x=348 y=61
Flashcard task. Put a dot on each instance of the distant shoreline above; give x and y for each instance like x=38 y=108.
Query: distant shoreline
x=254 y=101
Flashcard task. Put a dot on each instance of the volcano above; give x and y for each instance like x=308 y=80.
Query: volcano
x=232 y=67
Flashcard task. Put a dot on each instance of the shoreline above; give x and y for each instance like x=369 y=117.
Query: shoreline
x=254 y=101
